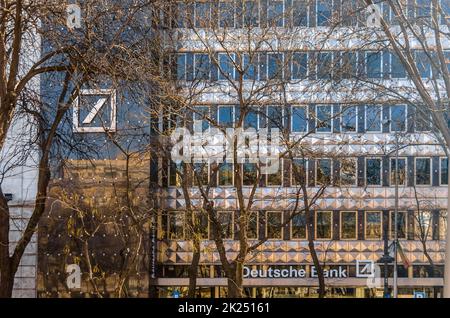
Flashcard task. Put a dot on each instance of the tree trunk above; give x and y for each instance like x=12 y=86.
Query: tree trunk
x=193 y=269
x=235 y=281
x=312 y=251
x=6 y=277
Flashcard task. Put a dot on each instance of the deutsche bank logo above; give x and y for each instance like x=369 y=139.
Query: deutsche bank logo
x=365 y=269
x=101 y=97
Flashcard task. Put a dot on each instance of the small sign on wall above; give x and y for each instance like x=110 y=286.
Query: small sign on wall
x=96 y=101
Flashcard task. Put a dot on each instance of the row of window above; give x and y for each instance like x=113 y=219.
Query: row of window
x=323 y=118
x=326 y=172
x=324 y=222
x=296 y=13
x=295 y=66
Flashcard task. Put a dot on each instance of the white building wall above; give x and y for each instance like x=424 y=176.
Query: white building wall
x=18 y=174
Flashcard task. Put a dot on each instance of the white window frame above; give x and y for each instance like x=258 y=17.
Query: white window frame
x=391 y=225
x=232 y=175
x=283 y=12
x=317 y=119
x=381 y=172
x=292 y=238
x=381 y=225
x=331 y=225
x=291 y=66
x=219 y=13
x=232 y=224
x=342 y=116
x=340 y=226
x=307 y=14
x=317 y=166
x=292 y=119
x=430 y=171
x=293 y=182
x=366 y=125
x=356 y=172
x=267 y=226
x=406 y=170
x=391 y=121
x=227 y=55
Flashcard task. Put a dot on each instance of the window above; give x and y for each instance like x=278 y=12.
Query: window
x=398 y=118
x=423 y=171
x=324 y=222
x=299 y=66
x=225 y=174
x=201 y=113
x=252 y=229
x=251 y=13
x=299 y=119
x=324 y=114
x=423 y=225
x=373 y=62
x=349 y=119
x=226 y=14
x=275 y=179
x=444 y=171
x=181 y=67
x=323 y=172
x=274 y=117
x=401 y=171
x=202 y=14
x=401 y=225
x=423 y=121
x=324 y=65
x=373 y=171
x=348 y=225
x=250 y=174
x=250 y=66
x=423 y=64
x=445 y=14
x=202 y=220
x=175 y=226
x=373 y=225
x=348 y=172
x=174 y=177
x=182 y=20
x=201 y=174
x=324 y=12
x=397 y=68
x=202 y=66
x=226 y=64
x=274 y=223
x=298 y=226
x=275 y=65
x=225 y=219
x=300 y=12
x=301 y=166
x=226 y=116
x=423 y=9
x=373 y=118
x=251 y=119
x=275 y=13
x=350 y=11
x=349 y=65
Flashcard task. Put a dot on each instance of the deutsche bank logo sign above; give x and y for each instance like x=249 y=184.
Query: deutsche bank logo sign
x=365 y=269
x=101 y=97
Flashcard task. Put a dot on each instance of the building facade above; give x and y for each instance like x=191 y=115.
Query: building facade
x=351 y=133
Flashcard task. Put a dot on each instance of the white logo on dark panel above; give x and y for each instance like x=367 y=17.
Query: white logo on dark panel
x=104 y=95
x=365 y=269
